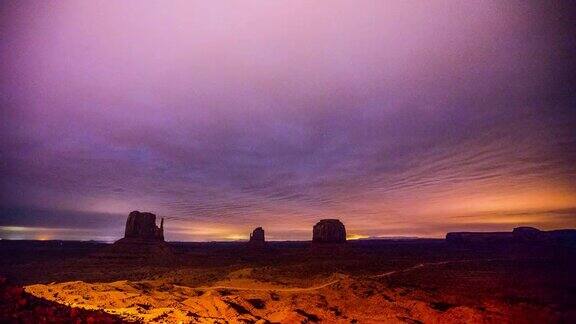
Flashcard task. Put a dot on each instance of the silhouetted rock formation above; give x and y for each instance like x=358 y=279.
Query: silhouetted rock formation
x=526 y=234
x=518 y=235
x=143 y=241
x=257 y=239
x=143 y=226
x=531 y=234
x=257 y=235
x=329 y=231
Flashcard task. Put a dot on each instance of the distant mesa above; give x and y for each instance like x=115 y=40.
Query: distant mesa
x=526 y=234
x=257 y=238
x=531 y=234
x=143 y=241
x=142 y=226
x=329 y=231
x=257 y=235
x=518 y=235
x=478 y=237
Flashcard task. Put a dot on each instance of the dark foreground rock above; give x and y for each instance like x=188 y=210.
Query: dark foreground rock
x=329 y=231
x=18 y=306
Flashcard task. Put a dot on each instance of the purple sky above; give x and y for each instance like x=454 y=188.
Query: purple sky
x=397 y=117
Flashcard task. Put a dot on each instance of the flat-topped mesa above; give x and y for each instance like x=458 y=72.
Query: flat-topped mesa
x=329 y=231
x=141 y=225
x=478 y=237
x=525 y=235
x=257 y=235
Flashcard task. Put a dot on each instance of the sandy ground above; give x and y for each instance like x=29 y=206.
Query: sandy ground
x=418 y=282
x=240 y=299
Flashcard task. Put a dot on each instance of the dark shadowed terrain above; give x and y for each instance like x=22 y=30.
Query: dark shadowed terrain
x=407 y=281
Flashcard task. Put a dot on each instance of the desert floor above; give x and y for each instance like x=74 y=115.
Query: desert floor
x=412 y=281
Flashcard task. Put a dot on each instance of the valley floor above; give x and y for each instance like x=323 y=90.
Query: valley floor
x=416 y=281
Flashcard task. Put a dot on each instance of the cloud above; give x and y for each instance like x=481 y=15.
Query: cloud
x=231 y=116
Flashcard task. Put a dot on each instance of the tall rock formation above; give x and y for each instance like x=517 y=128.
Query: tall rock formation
x=143 y=241
x=257 y=239
x=257 y=235
x=143 y=226
x=329 y=231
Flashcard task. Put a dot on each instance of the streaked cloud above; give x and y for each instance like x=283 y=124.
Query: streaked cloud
x=411 y=118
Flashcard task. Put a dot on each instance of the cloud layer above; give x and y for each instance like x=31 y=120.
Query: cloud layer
x=400 y=119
